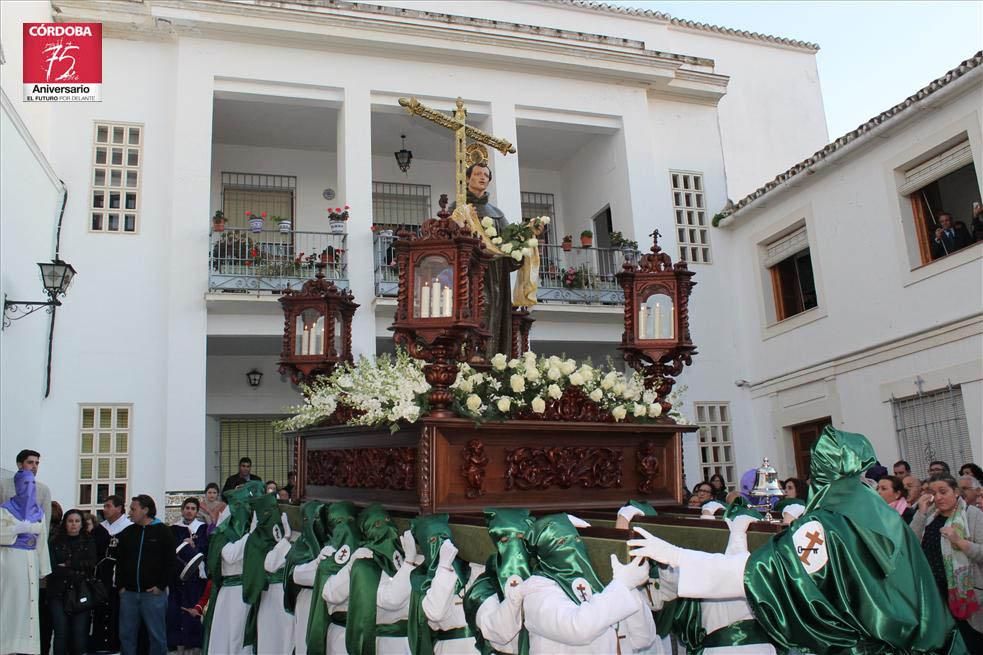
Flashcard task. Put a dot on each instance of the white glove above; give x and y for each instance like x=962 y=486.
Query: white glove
x=515 y=590
x=712 y=508
x=792 y=512
x=326 y=552
x=628 y=512
x=578 y=522
x=654 y=548
x=633 y=574
x=740 y=523
x=362 y=553
x=285 y=522
x=448 y=551
x=409 y=547
x=254 y=523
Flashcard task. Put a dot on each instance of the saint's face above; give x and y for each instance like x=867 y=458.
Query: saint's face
x=478 y=182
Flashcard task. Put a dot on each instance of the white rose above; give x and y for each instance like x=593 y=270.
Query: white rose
x=567 y=367
x=490 y=231
x=640 y=410
x=532 y=242
x=619 y=413
x=618 y=388
x=554 y=391
x=595 y=395
x=576 y=379
x=517 y=255
x=545 y=220
x=513 y=363
x=497 y=241
x=554 y=360
x=655 y=410
x=499 y=361
x=473 y=402
x=504 y=404
x=345 y=382
x=586 y=372
x=526 y=252
x=507 y=248
x=465 y=386
x=538 y=405
x=487 y=222
x=532 y=374
x=518 y=383
x=553 y=373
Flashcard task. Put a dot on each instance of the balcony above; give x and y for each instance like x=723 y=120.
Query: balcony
x=578 y=276
x=242 y=261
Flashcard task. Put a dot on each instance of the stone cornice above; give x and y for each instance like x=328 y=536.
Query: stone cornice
x=424 y=36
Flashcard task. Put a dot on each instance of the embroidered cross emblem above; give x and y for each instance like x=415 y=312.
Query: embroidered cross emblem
x=583 y=591
x=514 y=583
x=815 y=540
x=343 y=553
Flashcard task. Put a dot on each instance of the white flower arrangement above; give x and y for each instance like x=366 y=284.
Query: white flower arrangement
x=517 y=240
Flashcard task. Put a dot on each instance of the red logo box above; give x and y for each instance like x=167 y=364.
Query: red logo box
x=62 y=62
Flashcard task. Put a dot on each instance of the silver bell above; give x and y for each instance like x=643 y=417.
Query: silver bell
x=766 y=483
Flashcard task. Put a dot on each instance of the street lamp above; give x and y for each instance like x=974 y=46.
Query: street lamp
x=56 y=276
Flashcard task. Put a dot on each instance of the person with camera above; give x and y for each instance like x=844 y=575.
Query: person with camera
x=73 y=558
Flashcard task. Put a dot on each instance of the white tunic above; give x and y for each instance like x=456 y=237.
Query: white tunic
x=392 y=605
x=21 y=572
x=558 y=626
x=229 y=617
x=274 y=626
x=500 y=623
x=304 y=576
x=445 y=609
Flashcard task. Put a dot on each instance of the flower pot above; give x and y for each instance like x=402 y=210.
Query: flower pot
x=586 y=242
x=567 y=246
x=218 y=226
x=285 y=227
x=628 y=251
x=255 y=224
x=337 y=227
x=386 y=233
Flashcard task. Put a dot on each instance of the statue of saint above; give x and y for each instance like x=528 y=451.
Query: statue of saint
x=498 y=289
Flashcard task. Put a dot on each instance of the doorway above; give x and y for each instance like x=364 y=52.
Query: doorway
x=804 y=436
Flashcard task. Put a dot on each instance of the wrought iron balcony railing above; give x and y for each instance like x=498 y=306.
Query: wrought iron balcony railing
x=240 y=260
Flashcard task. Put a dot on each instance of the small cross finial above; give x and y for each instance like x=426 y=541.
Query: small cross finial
x=320 y=266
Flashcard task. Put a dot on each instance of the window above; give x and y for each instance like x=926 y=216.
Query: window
x=252 y=192
x=104 y=461
x=396 y=204
x=932 y=426
x=691 y=217
x=534 y=205
x=257 y=440
x=792 y=281
x=716 y=444
x=945 y=201
x=116 y=161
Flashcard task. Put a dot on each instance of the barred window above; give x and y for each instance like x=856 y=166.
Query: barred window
x=692 y=231
x=104 y=460
x=397 y=204
x=536 y=204
x=116 y=163
x=716 y=444
x=256 y=439
x=258 y=193
x=932 y=426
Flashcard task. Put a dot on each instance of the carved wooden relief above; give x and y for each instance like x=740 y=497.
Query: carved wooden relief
x=365 y=468
x=473 y=468
x=542 y=468
x=647 y=466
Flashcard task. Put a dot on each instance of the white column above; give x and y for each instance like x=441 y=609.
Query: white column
x=355 y=188
x=183 y=389
x=505 y=192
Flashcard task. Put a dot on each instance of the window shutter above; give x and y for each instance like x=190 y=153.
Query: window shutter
x=939 y=166
x=783 y=248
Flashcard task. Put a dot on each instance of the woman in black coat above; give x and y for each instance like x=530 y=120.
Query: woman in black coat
x=73 y=557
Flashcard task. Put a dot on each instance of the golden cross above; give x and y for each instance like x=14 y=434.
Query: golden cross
x=462 y=131
x=815 y=539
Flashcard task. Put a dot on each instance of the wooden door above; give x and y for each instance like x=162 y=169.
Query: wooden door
x=804 y=436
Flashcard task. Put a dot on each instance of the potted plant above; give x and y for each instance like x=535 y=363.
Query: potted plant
x=283 y=222
x=627 y=246
x=337 y=218
x=218 y=221
x=586 y=239
x=255 y=222
x=567 y=243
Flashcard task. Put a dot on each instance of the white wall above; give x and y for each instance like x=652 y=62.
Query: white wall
x=229 y=393
x=13 y=15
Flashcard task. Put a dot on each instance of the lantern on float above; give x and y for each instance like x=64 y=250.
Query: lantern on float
x=440 y=303
x=317 y=328
x=656 y=341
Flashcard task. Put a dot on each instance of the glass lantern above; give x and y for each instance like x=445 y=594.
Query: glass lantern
x=338 y=332
x=656 y=317
x=433 y=288
x=309 y=333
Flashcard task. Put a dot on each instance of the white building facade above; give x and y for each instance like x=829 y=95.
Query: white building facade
x=624 y=121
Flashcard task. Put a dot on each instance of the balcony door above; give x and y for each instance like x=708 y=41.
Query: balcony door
x=804 y=436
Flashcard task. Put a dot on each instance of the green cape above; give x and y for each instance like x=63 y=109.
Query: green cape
x=508 y=529
x=430 y=532
x=873 y=592
x=345 y=538
x=312 y=537
x=380 y=536
x=260 y=542
x=562 y=557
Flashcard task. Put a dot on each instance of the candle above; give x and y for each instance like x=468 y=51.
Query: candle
x=425 y=301
x=305 y=347
x=448 y=302
x=435 y=290
x=642 y=320
x=319 y=336
x=672 y=321
x=658 y=321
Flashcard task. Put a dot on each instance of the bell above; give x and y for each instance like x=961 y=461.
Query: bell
x=766 y=481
